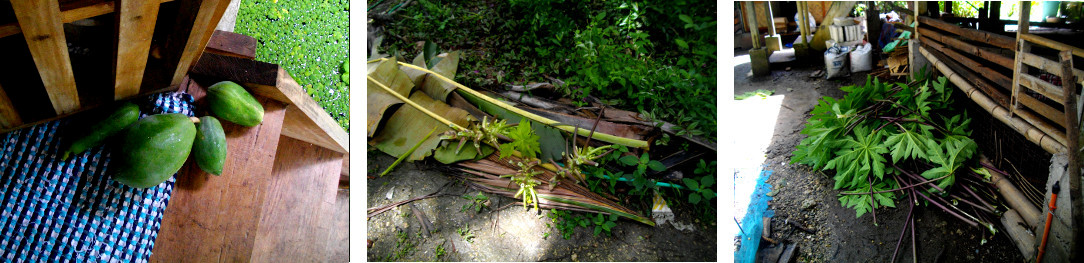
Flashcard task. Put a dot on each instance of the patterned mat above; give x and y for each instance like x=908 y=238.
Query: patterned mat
x=72 y=211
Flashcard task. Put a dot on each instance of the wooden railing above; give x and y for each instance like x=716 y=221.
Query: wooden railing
x=41 y=24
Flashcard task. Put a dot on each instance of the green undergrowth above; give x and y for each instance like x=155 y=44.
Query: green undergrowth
x=654 y=58
x=310 y=39
x=879 y=131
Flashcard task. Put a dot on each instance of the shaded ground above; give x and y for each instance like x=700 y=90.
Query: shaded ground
x=806 y=196
x=511 y=234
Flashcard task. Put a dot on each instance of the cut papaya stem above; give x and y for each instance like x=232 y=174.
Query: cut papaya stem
x=194 y=120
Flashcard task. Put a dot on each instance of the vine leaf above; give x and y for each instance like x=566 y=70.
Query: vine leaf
x=861 y=154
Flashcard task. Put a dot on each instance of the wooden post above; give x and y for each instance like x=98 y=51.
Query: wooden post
x=44 y=32
x=135 y=27
x=1073 y=135
x=206 y=17
x=803 y=15
x=1022 y=47
x=751 y=22
x=873 y=24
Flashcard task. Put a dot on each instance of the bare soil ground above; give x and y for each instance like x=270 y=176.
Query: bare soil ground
x=806 y=196
x=509 y=234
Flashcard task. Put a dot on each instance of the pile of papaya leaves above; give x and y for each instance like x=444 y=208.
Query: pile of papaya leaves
x=899 y=142
x=154 y=148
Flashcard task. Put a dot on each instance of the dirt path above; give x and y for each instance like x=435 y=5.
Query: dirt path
x=806 y=196
x=511 y=234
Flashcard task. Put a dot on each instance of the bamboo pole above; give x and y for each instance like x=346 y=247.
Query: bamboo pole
x=1001 y=113
x=1014 y=198
x=1011 y=221
x=974 y=79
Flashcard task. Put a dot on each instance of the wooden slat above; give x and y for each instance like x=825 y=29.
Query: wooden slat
x=972 y=34
x=44 y=33
x=1022 y=48
x=1045 y=110
x=1055 y=93
x=215 y=218
x=1048 y=65
x=965 y=47
x=8 y=116
x=306 y=120
x=70 y=13
x=135 y=27
x=232 y=44
x=974 y=66
x=206 y=17
x=300 y=203
x=988 y=89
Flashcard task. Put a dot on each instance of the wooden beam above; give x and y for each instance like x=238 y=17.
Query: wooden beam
x=8 y=116
x=206 y=17
x=972 y=34
x=135 y=27
x=968 y=48
x=978 y=82
x=998 y=79
x=306 y=120
x=44 y=33
x=1051 y=44
x=751 y=22
x=901 y=10
x=232 y=44
x=1042 y=87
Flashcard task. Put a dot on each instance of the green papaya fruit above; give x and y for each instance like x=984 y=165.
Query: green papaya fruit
x=153 y=149
x=232 y=103
x=210 y=145
x=120 y=119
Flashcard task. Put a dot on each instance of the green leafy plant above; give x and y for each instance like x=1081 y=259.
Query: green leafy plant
x=524 y=140
x=700 y=190
x=603 y=223
x=478 y=201
x=438 y=252
x=881 y=131
x=640 y=183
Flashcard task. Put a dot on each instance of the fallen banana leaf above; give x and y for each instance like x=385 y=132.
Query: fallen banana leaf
x=409 y=152
x=446 y=153
x=407 y=126
x=437 y=89
x=473 y=96
x=379 y=100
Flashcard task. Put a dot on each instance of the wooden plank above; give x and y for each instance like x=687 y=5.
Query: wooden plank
x=1045 y=110
x=135 y=27
x=972 y=34
x=232 y=44
x=1022 y=48
x=44 y=33
x=215 y=218
x=989 y=90
x=1055 y=93
x=300 y=199
x=997 y=78
x=306 y=120
x=8 y=116
x=1048 y=65
x=210 y=11
x=965 y=47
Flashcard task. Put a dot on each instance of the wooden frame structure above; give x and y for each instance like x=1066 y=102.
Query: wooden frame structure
x=1018 y=85
x=134 y=71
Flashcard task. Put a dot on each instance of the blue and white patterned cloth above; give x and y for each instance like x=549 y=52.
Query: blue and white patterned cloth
x=73 y=211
